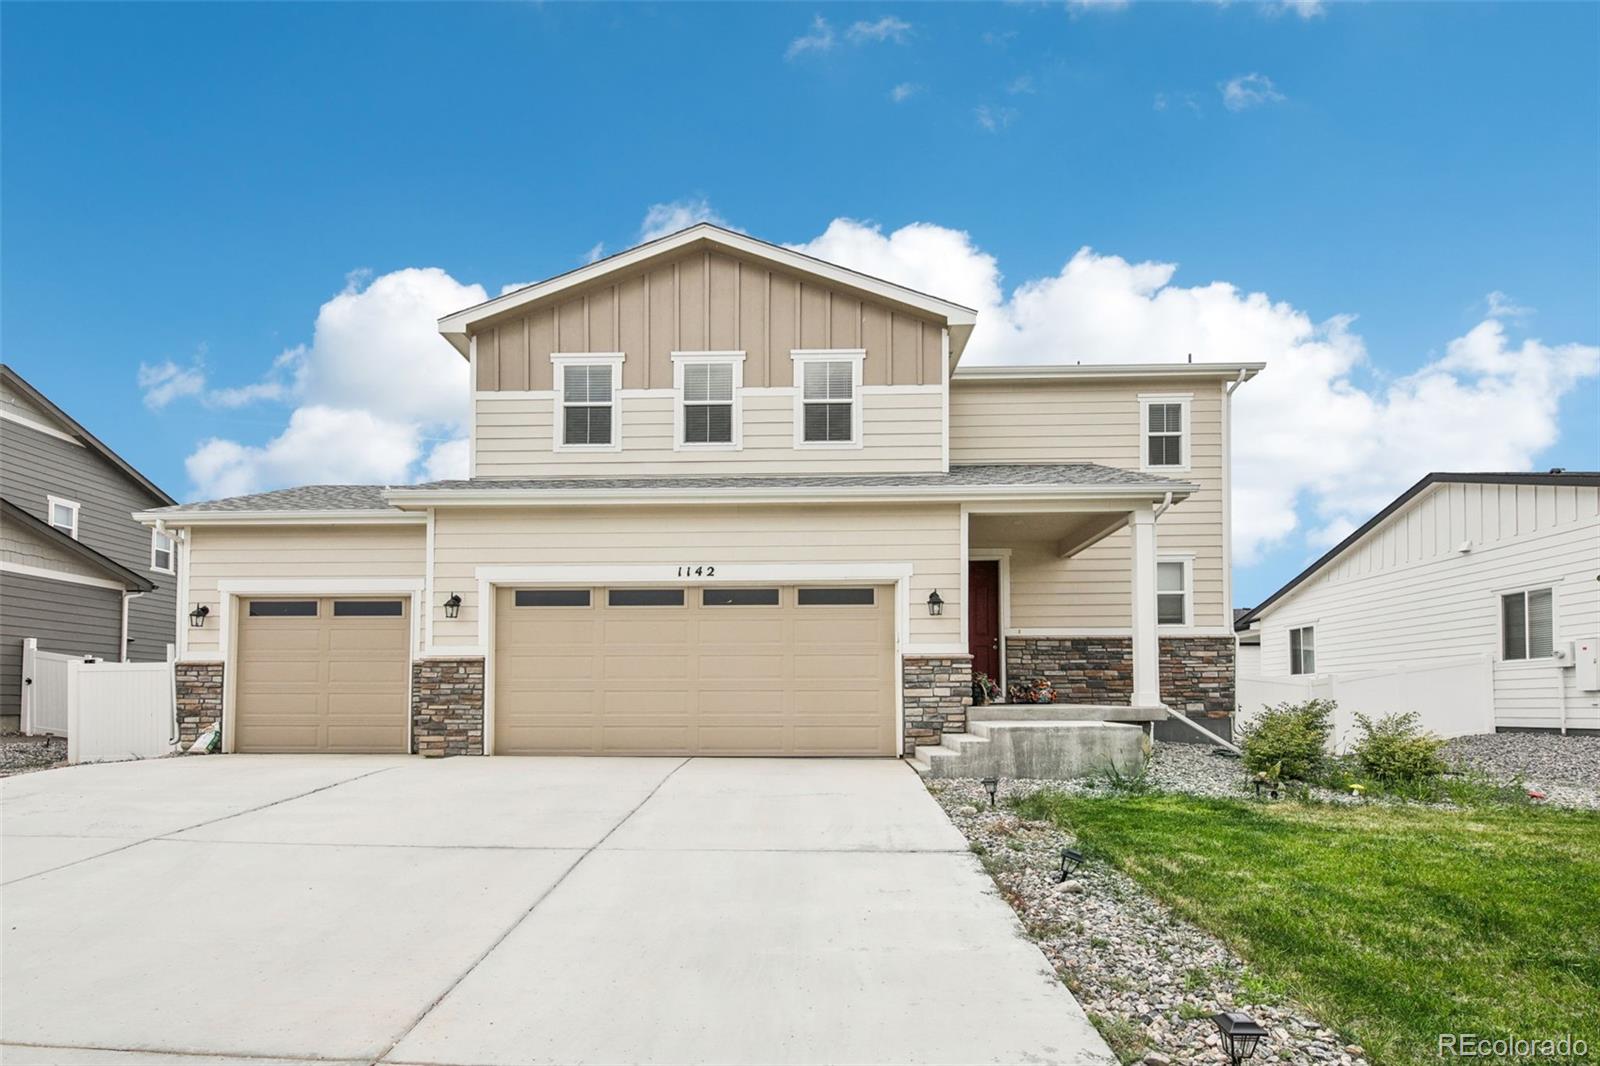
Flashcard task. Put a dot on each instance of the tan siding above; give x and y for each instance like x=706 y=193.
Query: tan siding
x=926 y=536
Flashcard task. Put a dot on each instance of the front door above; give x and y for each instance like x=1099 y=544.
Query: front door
x=983 y=616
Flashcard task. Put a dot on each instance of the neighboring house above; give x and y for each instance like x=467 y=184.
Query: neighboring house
x=1472 y=599
x=726 y=498
x=77 y=572
x=1247 y=654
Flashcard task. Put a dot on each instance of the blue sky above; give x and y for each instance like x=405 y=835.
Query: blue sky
x=191 y=184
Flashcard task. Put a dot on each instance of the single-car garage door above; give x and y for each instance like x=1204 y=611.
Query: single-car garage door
x=329 y=674
x=776 y=670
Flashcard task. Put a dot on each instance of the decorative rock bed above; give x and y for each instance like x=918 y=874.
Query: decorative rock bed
x=1566 y=769
x=19 y=754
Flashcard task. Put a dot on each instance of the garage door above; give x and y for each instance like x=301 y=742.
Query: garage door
x=777 y=670
x=328 y=674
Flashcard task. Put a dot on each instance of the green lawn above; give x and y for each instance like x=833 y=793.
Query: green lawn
x=1392 y=923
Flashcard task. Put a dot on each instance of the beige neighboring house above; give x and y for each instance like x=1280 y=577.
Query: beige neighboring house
x=729 y=499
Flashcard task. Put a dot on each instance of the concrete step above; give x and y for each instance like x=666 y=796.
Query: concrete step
x=1064 y=712
x=1054 y=751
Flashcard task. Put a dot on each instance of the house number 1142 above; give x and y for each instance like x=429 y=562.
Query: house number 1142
x=697 y=571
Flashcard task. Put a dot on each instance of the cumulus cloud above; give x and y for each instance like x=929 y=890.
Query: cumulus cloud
x=994 y=119
x=662 y=219
x=320 y=444
x=1249 y=90
x=167 y=381
x=1306 y=9
x=904 y=91
x=819 y=38
x=887 y=28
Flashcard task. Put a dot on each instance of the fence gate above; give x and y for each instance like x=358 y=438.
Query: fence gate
x=119 y=711
x=44 y=689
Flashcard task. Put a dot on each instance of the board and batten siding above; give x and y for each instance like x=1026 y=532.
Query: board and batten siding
x=1406 y=595
x=1064 y=421
x=300 y=553
x=926 y=536
x=901 y=430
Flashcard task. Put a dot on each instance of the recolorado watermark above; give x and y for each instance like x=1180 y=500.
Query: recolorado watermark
x=1478 y=1046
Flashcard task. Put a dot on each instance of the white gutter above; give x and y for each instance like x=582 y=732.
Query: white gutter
x=1240 y=380
x=1091 y=371
x=386 y=516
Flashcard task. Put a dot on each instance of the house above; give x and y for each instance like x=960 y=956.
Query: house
x=727 y=498
x=1472 y=599
x=77 y=572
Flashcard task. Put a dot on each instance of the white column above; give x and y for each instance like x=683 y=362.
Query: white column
x=1146 y=647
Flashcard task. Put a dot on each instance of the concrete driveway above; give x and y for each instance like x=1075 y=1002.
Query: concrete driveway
x=508 y=911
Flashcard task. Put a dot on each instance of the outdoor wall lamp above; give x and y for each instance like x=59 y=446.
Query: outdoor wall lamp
x=1070 y=861
x=1240 y=1034
x=452 y=606
x=197 y=617
x=991 y=785
x=935 y=603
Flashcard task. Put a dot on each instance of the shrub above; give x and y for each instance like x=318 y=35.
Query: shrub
x=1289 y=740
x=1394 y=752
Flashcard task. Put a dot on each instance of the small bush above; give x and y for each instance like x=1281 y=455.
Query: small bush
x=1395 y=753
x=1289 y=740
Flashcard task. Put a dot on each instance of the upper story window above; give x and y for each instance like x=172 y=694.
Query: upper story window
x=587 y=386
x=162 y=551
x=64 y=515
x=1527 y=624
x=708 y=386
x=828 y=398
x=1303 y=650
x=1172 y=591
x=1165 y=432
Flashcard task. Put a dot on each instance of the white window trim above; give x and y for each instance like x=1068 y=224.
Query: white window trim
x=1185 y=401
x=172 y=552
x=733 y=359
x=1288 y=636
x=560 y=361
x=1527 y=627
x=51 y=503
x=1187 y=561
x=802 y=356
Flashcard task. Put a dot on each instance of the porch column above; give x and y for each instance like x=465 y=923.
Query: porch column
x=1146 y=647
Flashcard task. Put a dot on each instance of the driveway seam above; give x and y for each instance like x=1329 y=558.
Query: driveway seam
x=244 y=1055
x=501 y=939
x=197 y=825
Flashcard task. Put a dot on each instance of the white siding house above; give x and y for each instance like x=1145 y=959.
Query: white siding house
x=1473 y=599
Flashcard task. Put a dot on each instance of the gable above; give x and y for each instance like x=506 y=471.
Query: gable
x=15 y=406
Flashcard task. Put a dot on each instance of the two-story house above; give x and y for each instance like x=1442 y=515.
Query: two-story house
x=726 y=498
x=78 y=574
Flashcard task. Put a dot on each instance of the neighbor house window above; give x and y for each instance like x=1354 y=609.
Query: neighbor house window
x=708 y=386
x=1166 y=432
x=828 y=384
x=64 y=516
x=587 y=388
x=1527 y=624
x=1172 y=592
x=161 y=551
x=1303 y=650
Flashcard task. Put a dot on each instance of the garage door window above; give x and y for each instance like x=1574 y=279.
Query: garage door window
x=739 y=597
x=645 y=597
x=283 y=608
x=551 y=598
x=368 y=608
x=835 y=597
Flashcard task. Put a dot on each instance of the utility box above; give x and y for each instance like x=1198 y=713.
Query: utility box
x=1586 y=661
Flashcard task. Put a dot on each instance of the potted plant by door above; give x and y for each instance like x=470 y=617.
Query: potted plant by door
x=985 y=689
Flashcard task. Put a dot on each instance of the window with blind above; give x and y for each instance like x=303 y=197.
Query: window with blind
x=1164 y=434
x=708 y=414
x=828 y=401
x=1172 y=592
x=586 y=405
x=1303 y=650
x=1527 y=624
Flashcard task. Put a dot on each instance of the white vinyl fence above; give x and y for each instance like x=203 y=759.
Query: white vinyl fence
x=44 y=689
x=119 y=711
x=1451 y=699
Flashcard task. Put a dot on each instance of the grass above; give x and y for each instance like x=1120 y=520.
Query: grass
x=1392 y=923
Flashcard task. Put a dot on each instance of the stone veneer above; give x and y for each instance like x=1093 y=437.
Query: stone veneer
x=937 y=692
x=1196 y=672
x=447 y=706
x=199 y=692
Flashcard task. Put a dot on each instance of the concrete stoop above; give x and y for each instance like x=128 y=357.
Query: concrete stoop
x=1048 y=750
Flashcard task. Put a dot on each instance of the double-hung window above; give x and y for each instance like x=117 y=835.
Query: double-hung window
x=1303 y=650
x=587 y=389
x=1164 y=432
x=1172 y=592
x=1527 y=624
x=708 y=398
x=162 y=552
x=64 y=515
x=828 y=385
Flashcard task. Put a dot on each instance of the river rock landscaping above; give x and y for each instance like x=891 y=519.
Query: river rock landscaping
x=1566 y=769
x=19 y=754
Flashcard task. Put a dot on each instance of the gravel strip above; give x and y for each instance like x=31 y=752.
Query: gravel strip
x=19 y=754
x=1566 y=769
x=1150 y=980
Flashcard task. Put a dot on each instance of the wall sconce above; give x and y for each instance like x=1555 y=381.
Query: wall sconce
x=935 y=603
x=197 y=617
x=452 y=606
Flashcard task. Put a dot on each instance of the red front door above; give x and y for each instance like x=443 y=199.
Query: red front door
x=983 y=617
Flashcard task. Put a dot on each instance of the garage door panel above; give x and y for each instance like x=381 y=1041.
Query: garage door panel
x=732 y=627
x=667 y=627
x=765 y=664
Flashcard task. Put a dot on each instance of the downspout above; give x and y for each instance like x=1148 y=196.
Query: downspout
x=1162 y=509
x=1236 y=382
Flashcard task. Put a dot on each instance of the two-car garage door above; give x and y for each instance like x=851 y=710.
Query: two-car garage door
x=776 y=670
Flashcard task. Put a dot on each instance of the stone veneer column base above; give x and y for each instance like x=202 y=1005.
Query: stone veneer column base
x=1197 y=674
x=199 y=699
x=937 y=691
x=447 y=706
x=1092 y=670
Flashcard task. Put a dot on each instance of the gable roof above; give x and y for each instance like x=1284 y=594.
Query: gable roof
x=95 y=444
x=960 y=319
x=110 y=567
x=1586 y=478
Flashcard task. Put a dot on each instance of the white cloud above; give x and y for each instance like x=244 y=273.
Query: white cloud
x=904 y=91
x=449 y=460
x=1306 y=9
x=1321 y=443
x=167 y=381
x=887 y=28
x=662 y=219
x=1249 y=90
x=994 y=119
x=1498 y=305
x=595 y=253
x=1021 y=84
x=319 y=445
x=1096 y=5
x=820 y=38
